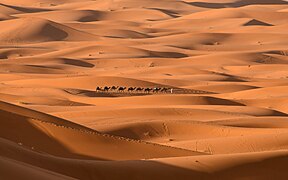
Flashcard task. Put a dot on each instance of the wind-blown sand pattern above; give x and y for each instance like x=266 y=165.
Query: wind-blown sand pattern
x=225 y=61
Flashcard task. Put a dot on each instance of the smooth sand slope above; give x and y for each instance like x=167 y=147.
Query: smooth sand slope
x=225 y=61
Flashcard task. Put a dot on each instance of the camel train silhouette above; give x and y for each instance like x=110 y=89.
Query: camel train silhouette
x=122 y=89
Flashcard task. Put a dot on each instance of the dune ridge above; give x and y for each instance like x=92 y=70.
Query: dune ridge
x=143 y=89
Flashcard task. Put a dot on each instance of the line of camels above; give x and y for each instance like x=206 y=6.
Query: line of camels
x=134 y=89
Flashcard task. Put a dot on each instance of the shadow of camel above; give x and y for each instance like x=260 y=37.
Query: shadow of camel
x=87 y=93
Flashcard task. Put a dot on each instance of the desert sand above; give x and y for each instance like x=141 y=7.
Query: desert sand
x=223 y=114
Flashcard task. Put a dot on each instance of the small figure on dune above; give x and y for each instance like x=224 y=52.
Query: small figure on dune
x=106 y=88
x=156 y=89
x=114 y=88
x=98 y=89
x=136 y=89
x=139 y=89
x=147 y=90
x=164 y=90
x=121 y=89
x=130 y=89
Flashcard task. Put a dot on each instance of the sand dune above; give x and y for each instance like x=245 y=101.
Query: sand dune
x=41 y=31
x=46 y=130
x=220 y=112
x=5 y=17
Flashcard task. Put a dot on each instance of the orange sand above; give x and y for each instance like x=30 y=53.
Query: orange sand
x=227 y=62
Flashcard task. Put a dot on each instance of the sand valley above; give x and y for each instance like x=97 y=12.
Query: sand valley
x=220 y=111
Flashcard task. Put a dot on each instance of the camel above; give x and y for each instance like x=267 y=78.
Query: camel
x=121 y=89
x=147 y=90
x=114 y=88
x=164 y=89
x=156 y=89
x=98 y=88
x=130 y=89
x=106 y=88
x=139 y=89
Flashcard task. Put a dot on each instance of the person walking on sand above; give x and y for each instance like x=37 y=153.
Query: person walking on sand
x=171 y=90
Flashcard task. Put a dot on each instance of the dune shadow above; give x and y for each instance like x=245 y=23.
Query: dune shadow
x=167 y=54
x=80 y=63
x=269 y=168
x=19 y=129
x=23 y=9
x=93 y=16
x=236 y=4
x=166 y=11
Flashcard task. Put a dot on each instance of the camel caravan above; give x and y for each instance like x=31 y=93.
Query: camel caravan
x=121 y=89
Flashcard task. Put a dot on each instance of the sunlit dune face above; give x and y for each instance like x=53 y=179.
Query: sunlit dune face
x=143 y=89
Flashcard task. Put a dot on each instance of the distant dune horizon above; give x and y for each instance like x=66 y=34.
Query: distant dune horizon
x=143 y=89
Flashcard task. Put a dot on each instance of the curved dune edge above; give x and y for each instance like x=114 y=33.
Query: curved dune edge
x=227 y=166
x=214 y=98
x=54 y=136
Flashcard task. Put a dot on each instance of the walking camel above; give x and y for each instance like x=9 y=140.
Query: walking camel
x=121 y=89
x=106 y=88
x=114 y=88
x=164 y=89
x=98 y=89
x=130 y=89
x=147 y=90
x=156 y=89
x=139 y=89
